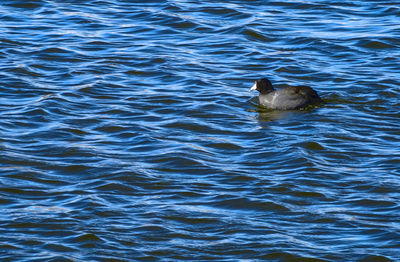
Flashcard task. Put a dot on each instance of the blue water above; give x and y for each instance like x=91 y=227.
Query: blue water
x=127 y=131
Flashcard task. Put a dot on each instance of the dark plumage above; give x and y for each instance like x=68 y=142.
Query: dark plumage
x=288 y=98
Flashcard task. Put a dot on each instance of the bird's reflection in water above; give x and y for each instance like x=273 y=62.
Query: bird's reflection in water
x=272 y=115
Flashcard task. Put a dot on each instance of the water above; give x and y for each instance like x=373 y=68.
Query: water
x=127 y=131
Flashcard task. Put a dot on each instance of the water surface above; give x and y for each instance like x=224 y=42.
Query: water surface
x=127 y=131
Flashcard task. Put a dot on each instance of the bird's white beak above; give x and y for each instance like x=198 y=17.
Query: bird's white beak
x=254 y=87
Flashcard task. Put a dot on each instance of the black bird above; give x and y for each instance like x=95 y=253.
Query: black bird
x=288 y=98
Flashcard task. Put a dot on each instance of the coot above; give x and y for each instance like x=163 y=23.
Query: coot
x=288 y=98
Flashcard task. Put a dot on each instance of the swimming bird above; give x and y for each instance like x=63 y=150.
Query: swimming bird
x=288 y=98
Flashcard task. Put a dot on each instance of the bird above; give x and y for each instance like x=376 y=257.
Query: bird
x=287 y=98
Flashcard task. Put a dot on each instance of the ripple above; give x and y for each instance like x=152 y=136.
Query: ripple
x=375 y=44
x=29 y=6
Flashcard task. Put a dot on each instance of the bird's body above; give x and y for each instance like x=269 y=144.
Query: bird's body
x=288 y=98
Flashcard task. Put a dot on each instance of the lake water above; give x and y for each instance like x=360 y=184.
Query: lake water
x=128 y=132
